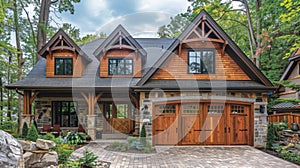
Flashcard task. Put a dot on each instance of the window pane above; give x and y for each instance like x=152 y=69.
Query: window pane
x=208 y=61
x=63 y=66
x=201 y=61
x=64 y=113
x=120 y=66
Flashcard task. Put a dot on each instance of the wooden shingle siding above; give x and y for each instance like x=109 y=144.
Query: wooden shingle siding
x=120 y=53
x=78 y=65
x=225 y=66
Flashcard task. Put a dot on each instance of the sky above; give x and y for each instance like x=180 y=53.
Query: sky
x=141 y=18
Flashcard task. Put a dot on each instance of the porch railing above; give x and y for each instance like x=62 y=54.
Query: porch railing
x=288 y=117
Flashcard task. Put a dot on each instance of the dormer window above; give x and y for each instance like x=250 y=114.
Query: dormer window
x=201 y=61
x=120 y=66
x=63 y=66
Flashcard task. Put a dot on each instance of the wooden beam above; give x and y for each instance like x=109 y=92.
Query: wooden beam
x=97 y=97
x=85 y=97
x=208 y=33
x=203 y=39
x=223 y=48
x=180 y=48
x=197 y=33
x=33 y=97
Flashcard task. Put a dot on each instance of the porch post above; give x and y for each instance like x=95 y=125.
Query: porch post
x=91 y=100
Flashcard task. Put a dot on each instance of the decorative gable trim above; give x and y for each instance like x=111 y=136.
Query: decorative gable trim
x=293 y=60
x=119 y=39
x=204 y=19
x=61 y=41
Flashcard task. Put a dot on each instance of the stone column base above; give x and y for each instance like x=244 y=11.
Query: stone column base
x=26 y=118
x=91 y=126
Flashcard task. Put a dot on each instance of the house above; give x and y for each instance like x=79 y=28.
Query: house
x=199 y=88
x=291 y=73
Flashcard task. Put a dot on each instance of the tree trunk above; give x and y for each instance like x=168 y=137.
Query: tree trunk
x=20 y=62
x=1 y=100
x=258 y=32
x=9 y=99
x=42 y=26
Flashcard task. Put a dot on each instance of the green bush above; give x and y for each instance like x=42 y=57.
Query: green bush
x=74 y=138
x=143 y=135
x=272 y=135
x=32 y=133
x=64 y=151
x=88 y=159
x=10 y=127
x=280 y=126
x=48 y=136
x=24 y=130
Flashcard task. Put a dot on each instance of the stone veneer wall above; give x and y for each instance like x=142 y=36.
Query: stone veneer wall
x=260 y=119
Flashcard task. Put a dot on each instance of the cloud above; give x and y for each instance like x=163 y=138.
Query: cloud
x=138 y=17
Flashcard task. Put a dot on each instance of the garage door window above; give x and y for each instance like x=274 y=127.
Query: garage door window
x=237 y=109
x=215 y=109
x=167 y=109
x=190 y=108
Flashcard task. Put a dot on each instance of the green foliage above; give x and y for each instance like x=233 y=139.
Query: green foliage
x=133 y=143
x=32 y=133
x=143 y=135
x=280 y=126
x=64 y=151
x=74 y=138
x=48 y=136
x=272 y=135
x=9 y=127
x=288 y=154
x=88 y=159
x=24 y=130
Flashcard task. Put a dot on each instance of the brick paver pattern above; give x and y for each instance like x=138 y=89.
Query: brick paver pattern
x=189 y=157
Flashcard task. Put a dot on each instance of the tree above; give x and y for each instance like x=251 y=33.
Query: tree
x=32 y=133
x=60 y=6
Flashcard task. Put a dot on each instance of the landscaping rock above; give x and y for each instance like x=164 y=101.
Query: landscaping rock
x=11 y=152
x=37 y=159
x=44 y=144
x=28 y=145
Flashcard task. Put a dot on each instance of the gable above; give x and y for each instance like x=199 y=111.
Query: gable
x=119 y=39
x=177 y=67
x=204 y=32
x=62 y=42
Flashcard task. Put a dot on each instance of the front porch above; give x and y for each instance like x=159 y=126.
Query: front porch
x=101 y=115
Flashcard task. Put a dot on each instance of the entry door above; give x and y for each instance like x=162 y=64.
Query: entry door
x=165 y=125
x=239 y=124
x=213 y=129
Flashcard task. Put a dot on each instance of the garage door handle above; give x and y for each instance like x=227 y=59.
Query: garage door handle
x=198 y=130
x=225 y=130
x=229 y=130
x=159 y=130
x=207 y=130
x=243 y=129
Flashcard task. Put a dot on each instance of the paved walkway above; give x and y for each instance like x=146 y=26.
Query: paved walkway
x=189 y=157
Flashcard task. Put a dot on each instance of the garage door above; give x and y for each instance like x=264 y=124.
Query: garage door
x=201 y=124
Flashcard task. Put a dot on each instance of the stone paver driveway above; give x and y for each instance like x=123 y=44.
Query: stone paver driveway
x=189 y=157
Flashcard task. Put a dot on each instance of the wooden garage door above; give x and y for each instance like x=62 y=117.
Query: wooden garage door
x=165 y=125
x=201 y=123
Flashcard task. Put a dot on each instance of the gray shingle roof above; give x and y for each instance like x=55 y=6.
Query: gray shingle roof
x=90 y=78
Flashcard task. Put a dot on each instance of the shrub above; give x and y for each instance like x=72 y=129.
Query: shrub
x=48 y=136
x=74 y=138
x=64 y=151
x=32 y=133
x=272 y=135
x=88 y=159
x=143 y=135
x=24 y=130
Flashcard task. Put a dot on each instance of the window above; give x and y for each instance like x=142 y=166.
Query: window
x=237 y=109
x=63 y=66
x=169 y=108
x=120 y=66
x=201 y=61
x=215 y=109
x=190 y=108
x=64 y=114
